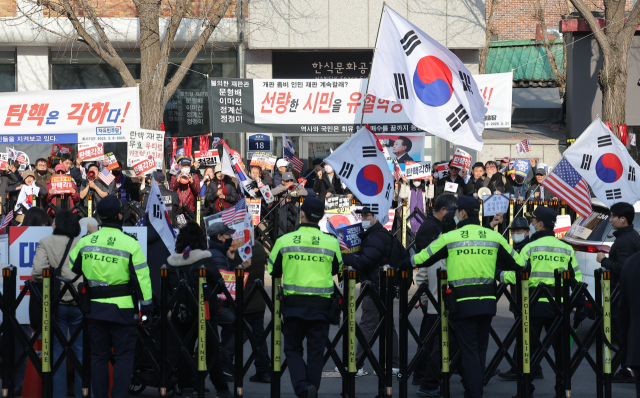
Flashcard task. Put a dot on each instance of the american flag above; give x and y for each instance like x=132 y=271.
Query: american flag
x=290 y=157
x=7 y=219
x=392 y=216
x=334 y=232
x=397 y=172
x=235 y=213
x=523 y=146
x=217 y=141
x=142 y=221
x=106 y=176
x=17 y=156
x=569 y=185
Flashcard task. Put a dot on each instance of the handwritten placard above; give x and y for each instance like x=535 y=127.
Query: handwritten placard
x=494 y=204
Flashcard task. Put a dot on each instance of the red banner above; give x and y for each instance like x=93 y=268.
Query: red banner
x=61 y=184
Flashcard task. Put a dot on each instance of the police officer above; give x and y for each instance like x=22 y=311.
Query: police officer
x=117 y=276
x=519 y=229
x=472 y=253
x=306 y=259
x=544 y=254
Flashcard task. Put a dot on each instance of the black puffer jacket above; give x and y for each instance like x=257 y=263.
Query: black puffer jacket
x=221 y=260
x=627 y=243
x=374 y=253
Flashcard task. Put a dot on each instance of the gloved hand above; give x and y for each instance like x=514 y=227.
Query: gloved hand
x=147 y=313
x=405 y=265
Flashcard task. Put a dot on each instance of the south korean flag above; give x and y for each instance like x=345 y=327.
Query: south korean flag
x=603 y=161
x=436 y=90
x=362 y=167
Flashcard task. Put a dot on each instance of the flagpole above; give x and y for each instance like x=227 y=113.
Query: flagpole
x=384 y=4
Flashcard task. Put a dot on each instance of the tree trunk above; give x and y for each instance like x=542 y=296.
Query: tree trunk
x=612 y=81
x=151 y=83
x=484 y=53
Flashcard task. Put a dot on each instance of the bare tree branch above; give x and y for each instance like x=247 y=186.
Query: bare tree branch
x=490 y=30
x=598 y=33
x=632 y=23
x=538 y=15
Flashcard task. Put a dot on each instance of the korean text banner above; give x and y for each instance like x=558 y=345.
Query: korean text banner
x=312 y=106
x=69 y=116
x=497 y=91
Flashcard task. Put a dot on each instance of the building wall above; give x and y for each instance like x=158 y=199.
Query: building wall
x=547 y=151
x=514 y=19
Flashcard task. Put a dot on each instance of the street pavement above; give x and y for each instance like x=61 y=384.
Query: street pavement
x=583 y=381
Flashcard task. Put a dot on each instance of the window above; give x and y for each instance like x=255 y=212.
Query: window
x=7 y=71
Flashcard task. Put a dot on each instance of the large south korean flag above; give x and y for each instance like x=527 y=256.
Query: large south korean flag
x=436 y=90
x=361 y=165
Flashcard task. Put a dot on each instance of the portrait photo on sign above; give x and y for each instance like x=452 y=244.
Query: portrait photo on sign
x=405 y=147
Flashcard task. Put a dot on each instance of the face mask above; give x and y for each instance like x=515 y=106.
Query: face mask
x=517 y=238
x=182 y=170
x=366 y=224
x=42 y=172
x=116 y=172
x=227 y=242
x=532 y=229
x=455 y=220
x=328 y=169
x=416 y=184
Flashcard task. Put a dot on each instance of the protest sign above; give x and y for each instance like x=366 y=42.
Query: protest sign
x=443 y=170
x=4 y=158
x=337 y=220
x=112 y=162
x=401 y=147
x=22 y=249
x=209 y=158
x=494 y=204
x=451 y=187
x=350 y=236
x=144 y=166
x=521 y=167
x=461 y=159
x=61 y=184
x=264 y=160
x=496 y=90
x=253 y=207
x=563 y=223
x=337 y=204
x=57 y=150
x=143 y=143
x=265 y=191
x=417 y=170
x=230 y=282
x=69 y=116
x=91 y=151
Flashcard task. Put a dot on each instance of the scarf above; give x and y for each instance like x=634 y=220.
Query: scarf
x=416 y=203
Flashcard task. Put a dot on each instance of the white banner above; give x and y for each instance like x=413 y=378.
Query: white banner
x=144 y=143
x=418 y=170
x=69 y=116
x=497 y=91
x=23 y=242
x=341 y=101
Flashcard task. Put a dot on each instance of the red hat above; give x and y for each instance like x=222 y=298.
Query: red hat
x=60 y=167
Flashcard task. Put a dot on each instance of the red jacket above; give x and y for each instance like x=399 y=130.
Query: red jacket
x=75 y=198
x=186 y=192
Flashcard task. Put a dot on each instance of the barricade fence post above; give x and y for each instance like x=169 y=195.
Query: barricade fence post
x=164 y=311
x=566 y=333
x=403 y=333
x=202 y=332
x=350 y=295
x=599 y=342
x=198 y=209
x=558 y=347
x=276 y=339
x=444 y=334
x=510 y=219
x=90 y=205
x=239 y=321
x=526 y=341
x=388 y=372
x=606 y=324
x=382 y=340
x=47 y=343
x=404 y=223
x=8 y=339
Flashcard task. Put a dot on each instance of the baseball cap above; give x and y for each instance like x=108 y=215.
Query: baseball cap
x=218 y=168
x=158 y=176
x=540 y=171
x=184 y=161
x=109 y=206
x=467 y=203
x=28 y=173
x=60 y=167
x=281 y=163
x=219 y=228
x=364 y=210
x=313 y=209
x=544 y=214
x=505 y=160
x=287 y=176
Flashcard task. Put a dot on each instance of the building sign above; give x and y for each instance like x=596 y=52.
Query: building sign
x=186 y=112
x=321 y=64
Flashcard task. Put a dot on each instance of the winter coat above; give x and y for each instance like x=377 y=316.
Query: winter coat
x=220 y=259
x=179 y=267
x=53 y=199
x=497 y=182
x=374 y=253
x=42 y=194
x=442 y=183
x=629 y=310
x=211 y=195
x=109 y=189
x=76 y=174
x=49 y=254
x=627 y=243
x=186 y=192
x=45 y=178
x=256 y=273
x=533 y=189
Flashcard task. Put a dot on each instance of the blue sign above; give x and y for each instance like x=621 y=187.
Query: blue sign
x=350 y=236
x=259 y=142
x=38 y=138
x=521 y=167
